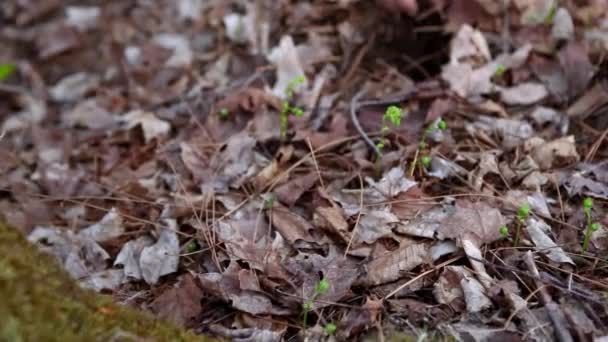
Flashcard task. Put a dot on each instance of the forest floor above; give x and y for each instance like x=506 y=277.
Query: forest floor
x=317 y=170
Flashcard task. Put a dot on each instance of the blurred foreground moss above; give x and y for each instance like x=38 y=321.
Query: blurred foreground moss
x=40 y=302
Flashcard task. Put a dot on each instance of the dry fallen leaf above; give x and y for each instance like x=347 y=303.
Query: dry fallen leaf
x=538 y=230
x=558 y=152
x=181 y=303
x=162 y=257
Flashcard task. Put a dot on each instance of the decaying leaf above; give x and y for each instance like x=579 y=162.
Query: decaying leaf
x=152 y=126
x=180 y=303
x=394 y=265
x=458 y=288
x=549 y=154
x=162 y=257
x=475 y=221
x=538 y=230
x=128 y=257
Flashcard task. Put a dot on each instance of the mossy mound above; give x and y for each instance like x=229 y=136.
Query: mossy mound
x=40 y=302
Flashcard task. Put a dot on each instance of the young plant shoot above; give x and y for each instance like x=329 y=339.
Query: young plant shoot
x=393 y=115
x=426 y=160
x=321 y=288
x=287 y=107
x=591 y=226
x=522 y=214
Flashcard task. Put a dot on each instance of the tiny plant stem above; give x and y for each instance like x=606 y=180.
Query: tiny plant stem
x=517 y=232
x=414 y=163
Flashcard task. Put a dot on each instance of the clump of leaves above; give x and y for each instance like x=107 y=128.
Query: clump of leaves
x=522 y=214
x=287 y=107
x=321 y=288
x=393 y=115
x=6 y=70
x=426 y=160
x=591 y=226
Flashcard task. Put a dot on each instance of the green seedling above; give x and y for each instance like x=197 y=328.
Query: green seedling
x=591 y=226
x=330 y=328
x=192 y=247
x=392 y=115
x=425 y=160
x=522 y=214
x=500 y=70
x=321 y=288
x=269 y=201
x=504 y=231
x=224 y=114
x=287 y=107
x=6 y=70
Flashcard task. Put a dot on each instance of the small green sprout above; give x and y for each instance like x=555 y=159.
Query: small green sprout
x=322 y=287
x=425 y=161
x=522 y=214
x=588 y=204
x=591 y=226
x=442 y=125
x=6 y=70
x=307 y=306
x=224 y=114
x=504 y=231
x=500 y=70
x=269 y=201
x=192 y=247
x=551 y=15
x=393 y=114
x=330 y=328
x=287 y=107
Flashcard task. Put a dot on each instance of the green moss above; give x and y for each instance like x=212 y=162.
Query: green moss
x=41 y=303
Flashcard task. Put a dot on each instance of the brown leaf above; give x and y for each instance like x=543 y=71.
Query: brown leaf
x=332 y=219
x=396 y=264
x=227 y=287
x=292 y=227
x=291 y=191
x=576 y=66
x=181 y=303
x=57 y=40
x=477 y=222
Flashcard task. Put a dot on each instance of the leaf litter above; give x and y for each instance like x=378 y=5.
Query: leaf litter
x=143 y=149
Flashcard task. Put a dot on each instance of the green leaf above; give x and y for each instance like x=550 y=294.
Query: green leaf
x=6 y=70
x=322 y=286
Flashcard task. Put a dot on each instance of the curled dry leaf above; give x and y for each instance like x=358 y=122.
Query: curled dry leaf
x=538 y=230
x=285 y=58
x=554 y=153
x=458 y=288
x=291 y=226
x=128 y=257
x=152 y=126
x=110 y=226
